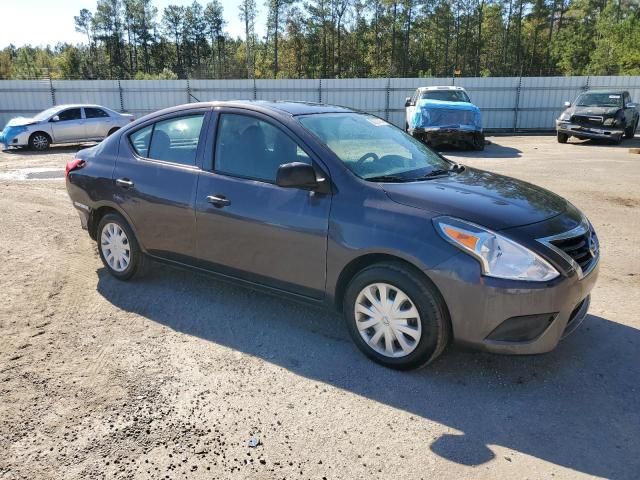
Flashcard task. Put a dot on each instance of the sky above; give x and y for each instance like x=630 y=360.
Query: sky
x=47 y=22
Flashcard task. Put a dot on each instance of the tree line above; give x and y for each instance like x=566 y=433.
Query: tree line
x=341 y=39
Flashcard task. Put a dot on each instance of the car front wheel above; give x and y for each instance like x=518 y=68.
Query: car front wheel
x=396 y=317
x=562 y=137
x=39 y=141
x=118 y=248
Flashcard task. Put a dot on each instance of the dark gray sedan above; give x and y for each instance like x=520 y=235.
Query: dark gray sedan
x=341 y=208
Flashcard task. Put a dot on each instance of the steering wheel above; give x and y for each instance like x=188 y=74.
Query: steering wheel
x=362 y=159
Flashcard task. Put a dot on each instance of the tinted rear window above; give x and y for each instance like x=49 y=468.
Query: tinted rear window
x=174 y=140
x=94 y=112
x=140 y=140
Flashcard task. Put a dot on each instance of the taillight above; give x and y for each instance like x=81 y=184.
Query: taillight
x=73 y=164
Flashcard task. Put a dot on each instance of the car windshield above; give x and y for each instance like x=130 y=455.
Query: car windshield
x=372 y=148
x=445 y=95
x=599 y=100
x=45 y=114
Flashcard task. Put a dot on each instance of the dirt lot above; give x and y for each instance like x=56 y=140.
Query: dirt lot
x=170 y=376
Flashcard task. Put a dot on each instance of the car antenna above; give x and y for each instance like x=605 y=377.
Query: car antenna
x=196 y=99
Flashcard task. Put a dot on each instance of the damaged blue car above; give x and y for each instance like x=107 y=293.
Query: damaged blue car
x=444 y=116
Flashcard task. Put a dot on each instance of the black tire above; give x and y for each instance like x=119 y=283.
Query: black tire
x=562 y=137
x=406 y=127
x=630 y=132
x=112 y=131
x=478 y=142
x=434 y=317
x=136 y=257
x=39 y=141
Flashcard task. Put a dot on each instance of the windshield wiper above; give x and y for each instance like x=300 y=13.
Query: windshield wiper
x=455 y=168
x=389 y=178
x=436 y=173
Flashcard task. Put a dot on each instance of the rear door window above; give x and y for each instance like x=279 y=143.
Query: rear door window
x=174 y=140
x=90 y=112
x=140 y=140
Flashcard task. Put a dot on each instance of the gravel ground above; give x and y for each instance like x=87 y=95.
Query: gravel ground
x=171 y=376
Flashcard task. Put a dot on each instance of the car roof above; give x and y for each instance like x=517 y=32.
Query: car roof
x=441 y=87
x=78 y=105
x=615 y=92
x=290 y=108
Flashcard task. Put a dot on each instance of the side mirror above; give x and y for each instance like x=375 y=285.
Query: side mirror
x=296 y=175
x=632 y=105
x=407 y=102
x=55 y=118
x=567 y=104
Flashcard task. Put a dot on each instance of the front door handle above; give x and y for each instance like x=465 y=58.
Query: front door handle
x=218 y=201
x=124 y=182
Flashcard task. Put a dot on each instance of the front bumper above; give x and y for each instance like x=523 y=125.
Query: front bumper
x=14 y=140
x=588 y=132
x=438 y=135
x=480 y=307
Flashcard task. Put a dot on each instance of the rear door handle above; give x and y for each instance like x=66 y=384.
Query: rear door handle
x=124 y=182
x=218 y=200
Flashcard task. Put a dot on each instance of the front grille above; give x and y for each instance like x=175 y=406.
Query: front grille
x=582 y=249
x=587 y=120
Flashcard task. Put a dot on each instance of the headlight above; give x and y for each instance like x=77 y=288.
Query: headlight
x=565 y=117
x=499 y=256
x=610 y=122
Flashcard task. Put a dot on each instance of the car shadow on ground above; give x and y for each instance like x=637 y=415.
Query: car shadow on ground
x=492 y=150
x=576 y=407
x=53 y=149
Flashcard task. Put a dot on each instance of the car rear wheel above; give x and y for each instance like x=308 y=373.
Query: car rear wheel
x=39 y=141
x=395 y=317
x=631 y=130
x=112 y=131
x=118 y=248
x=562 y=137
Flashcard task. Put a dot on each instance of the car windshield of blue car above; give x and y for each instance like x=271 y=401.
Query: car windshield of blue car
x=374 y=149
x=45 y=114
x=445 y=96
x=599 y=100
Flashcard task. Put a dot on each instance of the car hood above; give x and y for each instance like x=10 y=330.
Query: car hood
x=20 y=121
x=600 y=111
x=488 y=199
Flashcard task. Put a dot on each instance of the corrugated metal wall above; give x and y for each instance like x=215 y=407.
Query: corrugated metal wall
x=507 y=103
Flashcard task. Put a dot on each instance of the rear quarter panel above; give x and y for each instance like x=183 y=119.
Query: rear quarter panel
x=93 y=184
